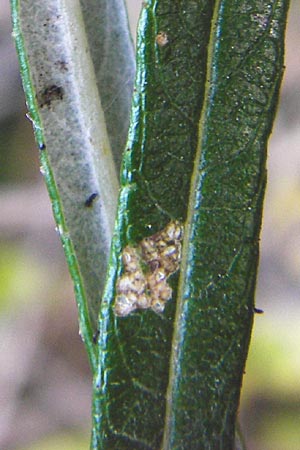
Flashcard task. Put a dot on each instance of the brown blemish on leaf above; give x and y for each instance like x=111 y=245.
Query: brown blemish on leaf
x=50 y=94
x=162 y=39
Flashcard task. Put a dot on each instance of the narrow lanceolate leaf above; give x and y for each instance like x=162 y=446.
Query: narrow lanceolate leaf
x=112 y=53
x=170 y=369
x=61 y=75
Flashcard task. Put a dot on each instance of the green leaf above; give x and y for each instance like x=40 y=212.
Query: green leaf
x=61 y=70
x=206 y=91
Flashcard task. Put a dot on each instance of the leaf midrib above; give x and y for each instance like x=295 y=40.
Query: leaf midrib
x=179 y=325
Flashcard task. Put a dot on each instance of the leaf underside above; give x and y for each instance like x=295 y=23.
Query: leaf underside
x=69 y=54
x=204 y=102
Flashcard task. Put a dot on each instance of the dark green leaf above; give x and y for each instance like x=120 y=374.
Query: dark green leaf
x=205 y=96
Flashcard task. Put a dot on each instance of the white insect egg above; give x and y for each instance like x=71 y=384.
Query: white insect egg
x=124 y=283
x=132 y=297
x=160 y=275
x=171 y=250
x=123 y=306
x=163 y=290
x=156 y=277
x=149 y=250
x=174 y=230
x=161 y=245
x=130 y=259
x=134 y=281
x=158 y=306
x=143 y=301
x=139 y=284
x=170 y=230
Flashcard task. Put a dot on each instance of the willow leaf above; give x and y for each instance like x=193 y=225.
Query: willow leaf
x=206 y=91
x=61 y=72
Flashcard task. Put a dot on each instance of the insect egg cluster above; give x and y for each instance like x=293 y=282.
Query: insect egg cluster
x=147 y=267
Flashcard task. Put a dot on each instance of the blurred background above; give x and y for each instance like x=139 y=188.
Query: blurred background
x=45 y=383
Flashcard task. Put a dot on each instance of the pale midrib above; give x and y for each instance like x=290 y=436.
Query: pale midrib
x=179 y=316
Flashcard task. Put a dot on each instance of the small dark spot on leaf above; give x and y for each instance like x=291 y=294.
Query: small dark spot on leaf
x=95 y=336
x=90 y=200
x=42 y=146
x=62 y=65
x=50 y=94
